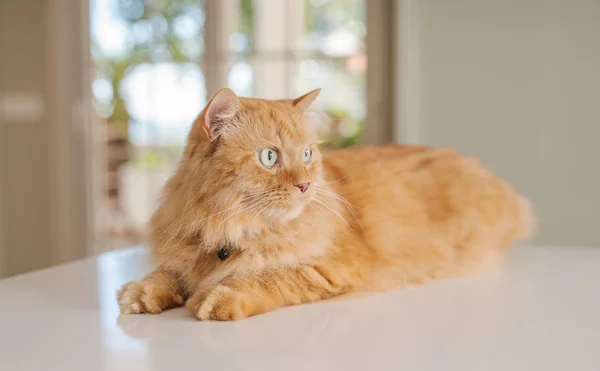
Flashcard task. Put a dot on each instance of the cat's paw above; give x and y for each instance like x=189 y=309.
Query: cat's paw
x=221 y=303
x=146 y=297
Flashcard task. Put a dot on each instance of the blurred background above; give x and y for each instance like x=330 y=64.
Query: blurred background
x=97 y=96
x=158 y=62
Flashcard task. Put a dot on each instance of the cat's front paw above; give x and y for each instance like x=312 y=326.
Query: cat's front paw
x=146 y=297
x=221 y=303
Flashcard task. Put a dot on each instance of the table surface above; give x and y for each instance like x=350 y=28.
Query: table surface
x=541 y=313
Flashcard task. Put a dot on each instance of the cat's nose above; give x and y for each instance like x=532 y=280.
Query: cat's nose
x=303 y=186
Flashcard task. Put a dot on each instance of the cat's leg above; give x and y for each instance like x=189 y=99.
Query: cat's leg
x=158 y=291
x=242 y=297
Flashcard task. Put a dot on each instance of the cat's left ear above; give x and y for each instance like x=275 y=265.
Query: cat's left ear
x=302 y=103
x=216 y=116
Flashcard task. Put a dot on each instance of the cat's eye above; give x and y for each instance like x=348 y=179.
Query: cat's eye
x=307 y=155
x=268 y=157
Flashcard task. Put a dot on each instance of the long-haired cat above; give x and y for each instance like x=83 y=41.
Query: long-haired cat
x=256 y=217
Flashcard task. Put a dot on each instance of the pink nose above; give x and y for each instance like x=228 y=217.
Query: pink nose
x=303 y=186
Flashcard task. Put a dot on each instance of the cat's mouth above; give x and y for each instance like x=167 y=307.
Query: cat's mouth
x=293 y=209
x=298 y=204
x=278 y=206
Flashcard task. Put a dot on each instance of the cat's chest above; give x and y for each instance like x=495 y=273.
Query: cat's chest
x=255 y=253
x=275 y=250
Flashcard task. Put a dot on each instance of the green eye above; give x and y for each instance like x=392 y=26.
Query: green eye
x=307 y=155
x=268 y=157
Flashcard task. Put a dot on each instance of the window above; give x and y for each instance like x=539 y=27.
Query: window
x=276 y=49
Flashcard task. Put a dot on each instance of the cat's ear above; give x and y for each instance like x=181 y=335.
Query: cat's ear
x=219 y=111
x=302 y=103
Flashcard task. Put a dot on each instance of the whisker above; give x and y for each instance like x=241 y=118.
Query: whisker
x=315 y=208
x=253 y=198
x=263 y=208
x=237 y=212
x=262 y=203
x=256 y=193
x=342 y=178
x=325 y=205
x=343 y=200
x=221 y=212
x=337 y=196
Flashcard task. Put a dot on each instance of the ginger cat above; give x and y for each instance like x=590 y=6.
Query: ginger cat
x=256 y=217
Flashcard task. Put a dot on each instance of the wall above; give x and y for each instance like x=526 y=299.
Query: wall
x=24 y=145
x=515 y=83
x=43 y=197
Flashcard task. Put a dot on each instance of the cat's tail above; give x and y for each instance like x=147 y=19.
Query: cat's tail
x=526 y=219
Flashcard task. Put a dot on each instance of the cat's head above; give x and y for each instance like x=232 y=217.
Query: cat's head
x=248 y=161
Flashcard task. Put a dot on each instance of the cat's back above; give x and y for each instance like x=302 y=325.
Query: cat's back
x=407 y=174
x=377 y=165
x=398 y=179
x=412 y=186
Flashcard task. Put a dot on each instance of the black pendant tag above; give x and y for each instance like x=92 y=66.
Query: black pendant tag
x=223 y=254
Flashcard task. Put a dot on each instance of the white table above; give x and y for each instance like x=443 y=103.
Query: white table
x=541 y=313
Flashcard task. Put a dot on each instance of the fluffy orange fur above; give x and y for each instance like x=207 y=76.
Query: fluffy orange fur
x=372 y=218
